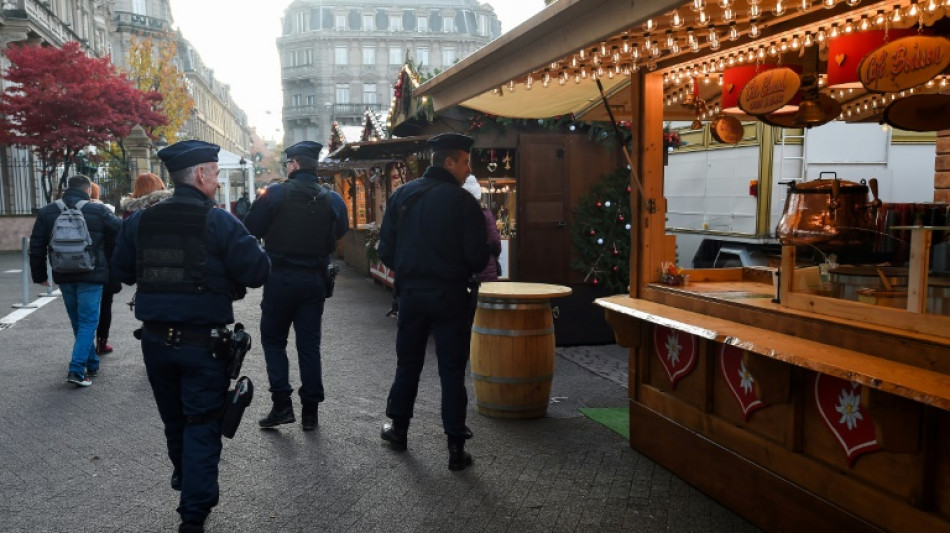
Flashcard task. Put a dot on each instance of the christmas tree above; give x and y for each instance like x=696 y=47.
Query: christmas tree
x=600 y=232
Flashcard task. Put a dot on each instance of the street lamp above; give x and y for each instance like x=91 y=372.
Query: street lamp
x=160 y=144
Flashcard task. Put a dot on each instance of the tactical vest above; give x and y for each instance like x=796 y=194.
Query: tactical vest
x=303 y=226
x=172 y=254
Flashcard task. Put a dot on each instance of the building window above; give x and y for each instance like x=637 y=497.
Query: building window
x=308 y=56
x=369 y=56
x=340 y=22
x=422 y=24
x=449 y=57
x=368 y=22
x=292 y=60
x=297 y=98
x=340 y=55
x=395 y=22
x=342 y=93
x=300 y=21
x=422 y=56
x=310 y=100
x=483 y=25
x=138 y=7
x=448 y=24
x=369 y=93
x=395 y=56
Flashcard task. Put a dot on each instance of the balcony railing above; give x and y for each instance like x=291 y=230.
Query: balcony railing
x=355 y=109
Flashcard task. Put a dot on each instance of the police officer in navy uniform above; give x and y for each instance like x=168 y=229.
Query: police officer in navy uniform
x=190 y=260
x=433 y=236
x=300 y=221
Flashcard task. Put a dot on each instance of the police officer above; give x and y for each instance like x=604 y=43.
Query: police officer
x=190 y=260
x=433 y=236
x=300 y=222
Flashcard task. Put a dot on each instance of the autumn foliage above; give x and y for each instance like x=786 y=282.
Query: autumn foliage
x=59 y=101
x=152 y=68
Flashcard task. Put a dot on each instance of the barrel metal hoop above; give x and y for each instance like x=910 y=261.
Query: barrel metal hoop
x=512 y=408
x=507 y=305
x=512 y=381
x=513 y=332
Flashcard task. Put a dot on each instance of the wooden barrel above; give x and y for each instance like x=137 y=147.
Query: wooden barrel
x=512 y=357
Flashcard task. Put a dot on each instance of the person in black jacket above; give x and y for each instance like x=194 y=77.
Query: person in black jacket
x=190 y=261
x=300 y=222
x=82 y=291
x=433 y=236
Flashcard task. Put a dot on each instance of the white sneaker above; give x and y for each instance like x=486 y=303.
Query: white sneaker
x=77 y=380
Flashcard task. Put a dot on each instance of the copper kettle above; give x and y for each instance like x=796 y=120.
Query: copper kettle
x=829 y=213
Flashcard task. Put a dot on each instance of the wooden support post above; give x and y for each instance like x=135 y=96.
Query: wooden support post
x=919 y=268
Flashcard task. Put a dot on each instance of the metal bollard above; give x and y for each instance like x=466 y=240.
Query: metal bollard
x=26 y=276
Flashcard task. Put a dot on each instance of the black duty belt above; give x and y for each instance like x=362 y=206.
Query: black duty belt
x=176 y=334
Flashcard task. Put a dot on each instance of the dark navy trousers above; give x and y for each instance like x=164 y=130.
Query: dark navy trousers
x=443 y=312
x=187 y=381
x=293 y=296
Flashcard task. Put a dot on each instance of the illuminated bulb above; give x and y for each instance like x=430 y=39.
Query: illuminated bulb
x=943 y=82
x=796 y=43
x=719 y=81
x=649 y=25
x=706 y=80
x=808 y=39
x=912 y=11
x=676 y=20
x=511 y=86
x=773 y=50
x=610 y=74
x=761 y=53
x=754 y=29
x=546 y=78
x=853 y=3
x=803 y=5
x=574 y=60
x=655 y=50
x=821 y=37
x=583 y=73
x=528 y=83
x=834 y=31
x=669 y=101
x=865 y=24
x=896 y=15
x=932 y=6
x=755 y=10
x=666 y=78
x=695 y=46
x=561 y=80
x=931 y=83
x=712 y=35
x=725 y=3
x=577 y=76
x=879 y=19
x=625 y=45
x=702 y=17
x=733 y=32
x=828 y=4
x=717 y=109
x=615 y=54
x=675 y=48
x=848 y=27
x=728 y=15
x=779 y=8
x=600 y=72
x=582 y=54
x=603 y=48
x=635 y=53
x=669 y=39
x=690 y=36
x=783 y=46
x=698 y=5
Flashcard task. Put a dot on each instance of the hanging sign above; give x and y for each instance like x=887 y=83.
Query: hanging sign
x=676 y=350
x=904 y=63
x=769 y=91
x=839 y=404
x=739 y=379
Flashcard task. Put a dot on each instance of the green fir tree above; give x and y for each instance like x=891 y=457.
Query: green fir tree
x=600 y=232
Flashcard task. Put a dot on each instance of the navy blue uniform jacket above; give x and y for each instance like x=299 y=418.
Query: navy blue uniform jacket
x=233 y=255
x=441 y=238
x=102 y=225
x=264 y=209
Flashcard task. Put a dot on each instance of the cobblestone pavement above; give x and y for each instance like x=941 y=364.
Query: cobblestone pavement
x=94 y=459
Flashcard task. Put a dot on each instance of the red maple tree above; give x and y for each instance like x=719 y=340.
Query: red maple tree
x=60 y=101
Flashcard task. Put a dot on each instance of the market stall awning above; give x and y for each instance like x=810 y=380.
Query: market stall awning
x=358 y=155
x=558 y=30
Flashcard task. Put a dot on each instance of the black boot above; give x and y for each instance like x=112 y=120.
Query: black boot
x=281 y=413
x=395 y=433
x=188 y=527
x=308 y=416
x=459 y=459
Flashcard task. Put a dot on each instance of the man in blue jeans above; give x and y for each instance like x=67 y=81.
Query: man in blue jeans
x=82 y=291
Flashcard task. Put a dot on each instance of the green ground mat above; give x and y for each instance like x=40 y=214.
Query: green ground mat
x=615 y=418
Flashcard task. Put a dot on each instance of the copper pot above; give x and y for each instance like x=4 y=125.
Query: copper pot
x=829 y=213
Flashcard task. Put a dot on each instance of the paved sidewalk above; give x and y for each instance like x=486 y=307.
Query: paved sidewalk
x=94 y=459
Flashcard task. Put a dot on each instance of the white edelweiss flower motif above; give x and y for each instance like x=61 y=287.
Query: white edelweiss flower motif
x=673 y=348
x=849 y=407
x=746 y=379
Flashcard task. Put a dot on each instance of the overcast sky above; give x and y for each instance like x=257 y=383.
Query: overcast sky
x=238 y=39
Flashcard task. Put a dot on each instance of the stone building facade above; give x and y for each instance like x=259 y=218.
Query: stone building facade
x=340 y=57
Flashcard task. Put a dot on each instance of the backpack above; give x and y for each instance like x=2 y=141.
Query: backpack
x=70 y=243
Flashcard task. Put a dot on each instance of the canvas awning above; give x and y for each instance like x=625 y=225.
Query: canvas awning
x=558 y=30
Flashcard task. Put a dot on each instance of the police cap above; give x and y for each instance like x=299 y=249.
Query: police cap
x=451 y=141
x=306 y=149
x=184 y=154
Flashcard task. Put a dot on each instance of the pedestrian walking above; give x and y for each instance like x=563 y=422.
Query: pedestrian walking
x=300 y=222
x=433 y=236
x=492 y=270
x=148 y=190
x=74 y=234
x=242 y=206
x=189 y=260
x=109 y=290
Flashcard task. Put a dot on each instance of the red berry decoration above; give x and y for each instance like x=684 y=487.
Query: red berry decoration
x=616 y=252
x=592 y=233
x=596 y=282
x=615 y=268
x=599 y=205
x=620 y=218
x=628 y=188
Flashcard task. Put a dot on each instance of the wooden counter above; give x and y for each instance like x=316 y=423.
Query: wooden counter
x=776 y=439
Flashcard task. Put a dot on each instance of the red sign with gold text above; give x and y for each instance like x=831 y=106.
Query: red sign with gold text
x=904 y=63
x=769 y=91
